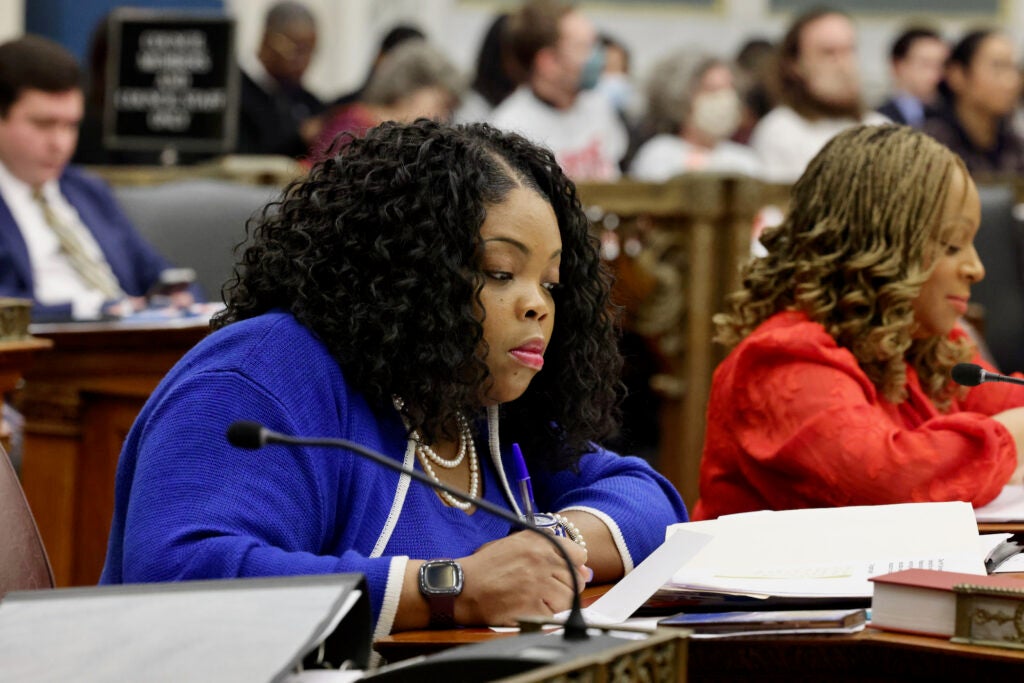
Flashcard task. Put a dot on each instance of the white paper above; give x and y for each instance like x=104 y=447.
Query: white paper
x=1007 y=507
x=636 y=587
x=830 y=552
x=1014 y=564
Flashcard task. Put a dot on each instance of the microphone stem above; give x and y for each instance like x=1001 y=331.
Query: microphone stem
x=575 y=625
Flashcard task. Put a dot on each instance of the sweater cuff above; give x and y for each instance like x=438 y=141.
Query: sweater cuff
x=392 y=594
x=620 y=541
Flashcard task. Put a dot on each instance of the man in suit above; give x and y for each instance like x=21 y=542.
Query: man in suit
x=277 y=115
x=64 y=242
x=917 y=59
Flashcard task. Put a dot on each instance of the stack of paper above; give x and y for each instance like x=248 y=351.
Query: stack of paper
x=1007 y=507
x=826 y=553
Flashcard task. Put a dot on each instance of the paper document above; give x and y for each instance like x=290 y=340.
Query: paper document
x=829 y=552
x=633 y=590
x=1007 y=507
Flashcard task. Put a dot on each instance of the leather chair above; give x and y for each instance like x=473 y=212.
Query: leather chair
x=23 y=561
x=1000 y=244
x=196 y=223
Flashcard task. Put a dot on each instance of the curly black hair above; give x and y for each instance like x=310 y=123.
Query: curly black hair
x=377 y=252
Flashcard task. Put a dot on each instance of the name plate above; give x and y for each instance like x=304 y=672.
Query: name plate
x=171 y=82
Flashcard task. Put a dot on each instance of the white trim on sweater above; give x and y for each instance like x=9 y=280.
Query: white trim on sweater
x=399 y=501
x=620 y=541
x=392 y=595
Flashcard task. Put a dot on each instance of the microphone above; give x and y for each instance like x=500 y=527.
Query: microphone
x=971 y=375
x=485 y=661
x=252 y=435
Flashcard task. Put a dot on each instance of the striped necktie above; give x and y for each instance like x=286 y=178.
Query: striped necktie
x=96 y=274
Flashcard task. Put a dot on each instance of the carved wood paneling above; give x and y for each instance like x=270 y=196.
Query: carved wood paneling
x=676 y=248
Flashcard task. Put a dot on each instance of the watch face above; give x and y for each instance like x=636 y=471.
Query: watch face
x=442 y=577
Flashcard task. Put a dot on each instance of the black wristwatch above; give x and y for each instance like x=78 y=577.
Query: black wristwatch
x=440 y=584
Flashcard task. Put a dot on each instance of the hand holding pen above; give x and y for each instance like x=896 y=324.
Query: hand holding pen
x=556 y=524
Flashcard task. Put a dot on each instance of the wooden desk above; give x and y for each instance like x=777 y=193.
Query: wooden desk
x=867 y=656
x=79 y=405
x=1001 y=527
x=15 y=358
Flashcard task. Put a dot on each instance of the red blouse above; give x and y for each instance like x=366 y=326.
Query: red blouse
x=793 y=422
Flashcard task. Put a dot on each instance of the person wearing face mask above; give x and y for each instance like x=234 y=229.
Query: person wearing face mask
x=558 y=62
x=816 y=83
x=615 y=82
x=694 y=105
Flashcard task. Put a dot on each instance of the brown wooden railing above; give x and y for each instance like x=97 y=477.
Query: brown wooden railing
x=676 y=249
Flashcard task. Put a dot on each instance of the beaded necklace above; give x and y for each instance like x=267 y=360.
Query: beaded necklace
x=428 y=455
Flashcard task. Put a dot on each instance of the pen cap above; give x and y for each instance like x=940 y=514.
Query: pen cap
x=520 y=462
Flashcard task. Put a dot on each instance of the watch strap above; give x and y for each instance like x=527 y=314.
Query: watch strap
x=441 y=602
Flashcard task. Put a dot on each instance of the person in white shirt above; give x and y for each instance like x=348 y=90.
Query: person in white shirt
x=554 y=47
x=694 y=106
x=817 y=84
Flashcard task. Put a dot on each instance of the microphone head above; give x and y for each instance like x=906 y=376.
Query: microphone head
x=968 y=374
x=246 y=434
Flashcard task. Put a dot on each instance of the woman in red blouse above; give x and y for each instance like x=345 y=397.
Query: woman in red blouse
x=837 y=390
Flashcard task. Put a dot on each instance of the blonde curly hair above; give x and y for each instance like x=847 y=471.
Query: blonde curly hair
x=861 y=237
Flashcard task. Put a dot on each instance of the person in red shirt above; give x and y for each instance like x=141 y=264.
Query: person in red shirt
x=837 y=389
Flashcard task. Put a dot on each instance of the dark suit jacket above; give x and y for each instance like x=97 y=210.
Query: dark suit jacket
x=889 y=108
x=268 y=123
x=135 y=263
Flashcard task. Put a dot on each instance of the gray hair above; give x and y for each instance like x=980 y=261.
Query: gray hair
x=671 y=87
x=412 y=65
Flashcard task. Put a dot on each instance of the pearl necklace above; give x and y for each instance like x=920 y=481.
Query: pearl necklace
x=465 y=437
x=427 y=455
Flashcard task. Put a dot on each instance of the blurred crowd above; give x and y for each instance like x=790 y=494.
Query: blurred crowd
x=545 y=70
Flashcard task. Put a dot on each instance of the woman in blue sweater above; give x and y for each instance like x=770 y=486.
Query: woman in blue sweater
x=404 y=296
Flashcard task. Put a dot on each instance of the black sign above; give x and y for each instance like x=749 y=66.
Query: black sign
x=171 y=82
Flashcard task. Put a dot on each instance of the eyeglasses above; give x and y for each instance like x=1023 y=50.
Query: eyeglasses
x=288 y=48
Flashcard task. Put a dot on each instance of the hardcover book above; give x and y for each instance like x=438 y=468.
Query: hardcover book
x=923 y=601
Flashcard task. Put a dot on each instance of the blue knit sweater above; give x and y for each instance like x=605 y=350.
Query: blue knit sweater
x=190 y=506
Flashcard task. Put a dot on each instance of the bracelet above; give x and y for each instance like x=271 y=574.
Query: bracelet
x=571 y=531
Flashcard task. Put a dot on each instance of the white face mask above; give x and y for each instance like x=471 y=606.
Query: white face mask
x=717 y=114
x=618 y=90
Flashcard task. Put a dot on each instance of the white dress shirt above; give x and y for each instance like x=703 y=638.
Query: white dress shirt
x=55 y=280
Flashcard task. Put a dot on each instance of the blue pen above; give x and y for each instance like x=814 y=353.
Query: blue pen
x=525 y=488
